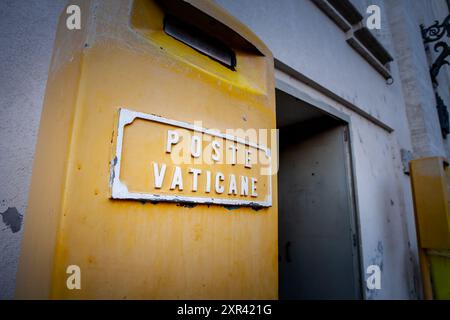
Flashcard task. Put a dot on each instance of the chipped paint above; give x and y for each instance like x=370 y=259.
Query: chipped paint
x=12 y=219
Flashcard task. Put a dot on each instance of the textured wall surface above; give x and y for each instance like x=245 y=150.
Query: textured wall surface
x=414 y=72
x=299 y=35
x=27 y=30
x=316 y=48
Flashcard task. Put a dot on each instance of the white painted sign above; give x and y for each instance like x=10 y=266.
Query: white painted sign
x=158 y=159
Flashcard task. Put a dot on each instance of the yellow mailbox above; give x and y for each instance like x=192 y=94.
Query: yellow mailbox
x=152 y=178
x=430 y=179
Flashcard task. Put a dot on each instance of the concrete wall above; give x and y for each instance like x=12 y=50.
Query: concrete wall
x=317 y=49
x=299 y=35
x=26 y=38
x=405 y=19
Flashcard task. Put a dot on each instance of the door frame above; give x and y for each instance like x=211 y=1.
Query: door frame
x=299 y=93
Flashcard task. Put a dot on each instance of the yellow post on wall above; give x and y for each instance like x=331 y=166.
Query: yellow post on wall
x=137 y=179
x=430 y=179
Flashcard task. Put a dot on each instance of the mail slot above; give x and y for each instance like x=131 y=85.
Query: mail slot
x=153 y=174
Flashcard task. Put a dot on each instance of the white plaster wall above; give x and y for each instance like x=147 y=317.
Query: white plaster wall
x=406 y=17
x=27 y=30
x=301 y=36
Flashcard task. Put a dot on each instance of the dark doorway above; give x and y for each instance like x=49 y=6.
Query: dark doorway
x=318 y=243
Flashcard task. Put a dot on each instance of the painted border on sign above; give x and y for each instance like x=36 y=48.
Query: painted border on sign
x=120 y=190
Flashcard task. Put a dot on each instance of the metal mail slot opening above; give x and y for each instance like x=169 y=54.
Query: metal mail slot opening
x=200 y=41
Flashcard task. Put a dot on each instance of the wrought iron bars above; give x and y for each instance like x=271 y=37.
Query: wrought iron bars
x=443 y=116
x=435 y=33
x=440 y=60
